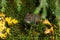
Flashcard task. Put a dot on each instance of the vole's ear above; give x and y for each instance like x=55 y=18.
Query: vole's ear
x=28 y=14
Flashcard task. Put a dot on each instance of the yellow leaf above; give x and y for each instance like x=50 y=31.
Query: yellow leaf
x=2 y=14
x=47 y=31
x=14 y=21
x=2 y=35
x=8 y=19
x=8 y=30
x=46 y=21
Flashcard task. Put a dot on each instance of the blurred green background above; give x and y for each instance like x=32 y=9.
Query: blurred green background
x=48 y=9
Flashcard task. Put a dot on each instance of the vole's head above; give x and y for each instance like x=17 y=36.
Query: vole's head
x=29 y=18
